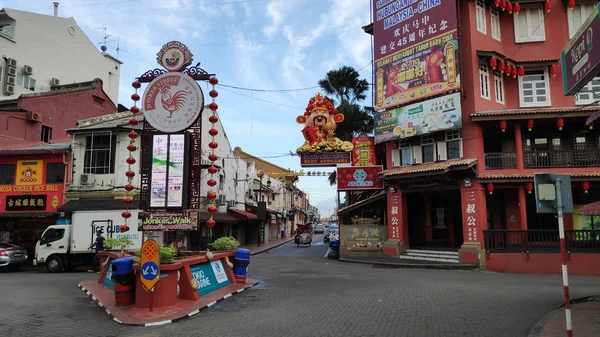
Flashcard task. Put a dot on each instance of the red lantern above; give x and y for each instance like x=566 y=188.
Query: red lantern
x=529 y=187
x=129 y=187
x=212 y=170
x=503 y=125
x=131 y=147
x=560 y=123
x=124 y=228
x=126 y=215
x=136 y=84
x=571 y=4
x=548 y=6
x=213 y=157
x=509 y=8
x=135 y=97
x=503 y=5
x=497 y=3
x=211 y=182
x=521 y=71
x=212 y=209
x=553 y=70
x=507 y=69
x=130 y=174
x=213 y=119
x=213 y=106
x=493 y=62
x=213 y=145
x=213 y=81
x=585 y=186
x=213 y=132
x=210 y=223
x=128 y=201
x=213 y=93
x=530 y=124
x=517 y=9
x=514 y=70
x=501 y=67
x=490 y=188
x=130 y=160
x=591 y=127
x=211 y=195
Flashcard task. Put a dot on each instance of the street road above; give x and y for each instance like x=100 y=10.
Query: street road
x=303 y=294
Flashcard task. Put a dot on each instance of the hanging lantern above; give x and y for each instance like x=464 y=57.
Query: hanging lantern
x=585 y=186
x=560 y=123
x=530 y=124
x=517 y=9
x=514 y=71
x=490 y=188
x=503 y=126
x=591 y=127
x=130 y=160
x=553 y=70
x=571 y=4
x=493 y=62
x=212 y=170
x=509 y=8
x=548 y=6
x=501 y=67
x=503 y=5
x=497 y=3
x=529 y=187
x=521 y=71
x=507 y=69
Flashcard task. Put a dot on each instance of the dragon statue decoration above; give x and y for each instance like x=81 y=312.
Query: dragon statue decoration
x=320 y=120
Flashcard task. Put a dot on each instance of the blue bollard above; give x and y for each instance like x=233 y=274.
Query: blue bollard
x=240 y=264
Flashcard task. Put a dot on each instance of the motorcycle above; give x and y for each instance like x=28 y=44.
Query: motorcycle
x=328 y=236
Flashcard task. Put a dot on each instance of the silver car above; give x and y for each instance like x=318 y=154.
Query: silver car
x=12 y=257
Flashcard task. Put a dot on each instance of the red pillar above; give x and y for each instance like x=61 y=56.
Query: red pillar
x=474 y=218
x=522 y=207
x=519 y=146
x=397 y=216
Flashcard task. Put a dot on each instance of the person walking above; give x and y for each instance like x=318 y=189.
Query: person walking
x=98 y=245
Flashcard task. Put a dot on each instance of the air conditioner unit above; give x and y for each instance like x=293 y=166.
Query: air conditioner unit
x=231 y=203
x=86 y=179
x=27 y=70
x=11 y=62
x=54 y=82
x=35 y=116
x=9 y=89
x=10 y=71
x=222 y=200
x=11 y=79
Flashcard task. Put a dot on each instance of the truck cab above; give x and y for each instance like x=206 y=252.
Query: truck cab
x=53 y=246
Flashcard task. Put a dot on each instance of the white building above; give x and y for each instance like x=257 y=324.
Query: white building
x=41 y=51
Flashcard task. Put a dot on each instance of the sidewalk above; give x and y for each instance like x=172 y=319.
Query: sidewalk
x=268 y=246
x=585 y=321
x=392 y=262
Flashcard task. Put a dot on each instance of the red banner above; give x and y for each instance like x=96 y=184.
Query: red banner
x=324 y=159
x=359 y=178
x=363 y=153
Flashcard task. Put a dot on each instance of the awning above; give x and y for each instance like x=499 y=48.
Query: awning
x=592 y=209
x=28 y=214
x=528 y=176
x=514 y=114
x=218 y=217
x=377 y=196
x=429 y=168
x=244 y=214
x=97 y=204
x=592 y=119
x=529 y=63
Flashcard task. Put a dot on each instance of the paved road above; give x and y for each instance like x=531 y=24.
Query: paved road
x=304 y=294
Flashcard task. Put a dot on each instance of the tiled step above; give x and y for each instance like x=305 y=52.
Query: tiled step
x=435 y=252
x=431 y=255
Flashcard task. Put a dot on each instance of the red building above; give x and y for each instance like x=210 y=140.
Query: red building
x=464 y=194
x=45 y=116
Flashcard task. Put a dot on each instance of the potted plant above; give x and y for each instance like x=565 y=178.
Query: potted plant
x=121 y=243
x=167 y=254
x=225 y=244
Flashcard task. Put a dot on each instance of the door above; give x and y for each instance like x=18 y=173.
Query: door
x=52 y=241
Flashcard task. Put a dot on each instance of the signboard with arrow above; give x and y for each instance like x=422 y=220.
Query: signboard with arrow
x=150 y=264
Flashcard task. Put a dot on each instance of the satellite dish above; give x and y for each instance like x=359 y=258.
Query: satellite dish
x=103 y=48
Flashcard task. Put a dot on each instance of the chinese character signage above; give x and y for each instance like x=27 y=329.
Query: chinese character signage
x=580 y=62
x=394 y=215
x=364 y=238
x=324 y=159
x=168 y=167
x=29 y=172
x=359 y=178
x=167 y=221
x=416 y=50
x=363 y=153
x=437 y=114
x=25 y=203
x=471 y=214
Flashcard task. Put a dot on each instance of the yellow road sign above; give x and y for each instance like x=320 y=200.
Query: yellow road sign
x=150 y=263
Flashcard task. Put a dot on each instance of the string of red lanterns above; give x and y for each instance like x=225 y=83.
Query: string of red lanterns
x=506 y=68
x=212 y=157
x=529 y=187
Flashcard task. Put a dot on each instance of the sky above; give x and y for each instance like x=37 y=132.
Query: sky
x=262 y=45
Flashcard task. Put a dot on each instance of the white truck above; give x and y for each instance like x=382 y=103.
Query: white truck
x=65 y=246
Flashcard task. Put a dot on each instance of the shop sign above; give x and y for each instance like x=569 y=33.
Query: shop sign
x=364 y=238
x=168 y=167
x=471 y=214
x=29 y=188
x=363 y=153
x=324 y=159
x=416 y=50
x=29 y=172
x=174 y=56
x=580 y=61
x=359 y=178
x=394 y=215
x=437 y=114
x=166 y=221
x=25 y=203
x=209 y=276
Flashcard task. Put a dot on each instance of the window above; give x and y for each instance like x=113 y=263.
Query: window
x=577 y=17
x=484 y=80
x=55 y=173
x=529 y=25
x=6 y=29
x=221 y=182
x=590 y=93
x=26 y=82
x=499 y=86
x=405 y=148
x=100 y=154
x=46 y=134
x=428 y=148
x=534 y=89
x=1 y=77
x=453 y=144
x=495 y=23
x=480 y=14
x=53 y=234
x=7 y=174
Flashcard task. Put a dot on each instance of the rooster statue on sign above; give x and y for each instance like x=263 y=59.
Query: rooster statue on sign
x=173 y=102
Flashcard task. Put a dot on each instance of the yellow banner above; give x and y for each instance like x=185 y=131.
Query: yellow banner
x=30 y=172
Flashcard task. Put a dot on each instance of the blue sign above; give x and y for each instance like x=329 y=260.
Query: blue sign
x=210 y=276
x=108 y=282
x=149 y=270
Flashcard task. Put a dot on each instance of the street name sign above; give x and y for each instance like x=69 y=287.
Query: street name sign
x=150 y=262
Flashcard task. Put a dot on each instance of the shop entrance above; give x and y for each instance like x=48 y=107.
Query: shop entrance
x=435 y=219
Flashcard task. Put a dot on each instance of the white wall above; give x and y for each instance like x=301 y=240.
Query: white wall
x=83 y=220
x=56 y=48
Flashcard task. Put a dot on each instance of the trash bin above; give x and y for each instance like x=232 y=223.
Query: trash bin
x=124 y=278
x=335 y=249
x=240 y=264
x=283 y=234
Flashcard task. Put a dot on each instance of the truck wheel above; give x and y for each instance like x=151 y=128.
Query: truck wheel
x=54 y=264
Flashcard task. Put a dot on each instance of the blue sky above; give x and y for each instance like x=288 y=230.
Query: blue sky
x=255 y=44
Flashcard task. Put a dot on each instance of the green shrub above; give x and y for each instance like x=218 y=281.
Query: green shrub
x=225 y=243
x=120 y=243
x=167 y=254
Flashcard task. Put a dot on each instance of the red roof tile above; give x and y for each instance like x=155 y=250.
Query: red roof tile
x=525 y=175
x=584 y=111
x=429 y=167
x=590 y=209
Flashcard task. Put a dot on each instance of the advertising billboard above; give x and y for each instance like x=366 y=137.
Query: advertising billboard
x=168 y=221
x=359 y=178
x=363 y=153
x=167 y=172
x=416 y=50
x=436 y=114
x=580 y=62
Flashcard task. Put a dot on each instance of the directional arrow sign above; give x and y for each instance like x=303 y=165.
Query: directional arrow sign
x=150 y=264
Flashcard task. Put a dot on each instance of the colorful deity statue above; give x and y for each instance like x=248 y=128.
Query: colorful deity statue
x=321 y=119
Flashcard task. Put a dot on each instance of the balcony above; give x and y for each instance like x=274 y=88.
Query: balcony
x=540 y=241
x=500 y=160
x=572 y=158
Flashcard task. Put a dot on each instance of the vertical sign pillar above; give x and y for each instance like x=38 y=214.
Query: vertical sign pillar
x=563 y=256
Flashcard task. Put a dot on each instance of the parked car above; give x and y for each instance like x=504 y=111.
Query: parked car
x=319 y=229
x=12 y=257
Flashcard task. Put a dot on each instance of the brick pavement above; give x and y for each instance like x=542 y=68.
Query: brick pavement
x=309 y=296
x=585 y=323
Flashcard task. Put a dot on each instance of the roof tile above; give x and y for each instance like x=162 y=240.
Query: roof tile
x=428 y=167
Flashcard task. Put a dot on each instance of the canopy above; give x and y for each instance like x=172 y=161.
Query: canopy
x=590 y=209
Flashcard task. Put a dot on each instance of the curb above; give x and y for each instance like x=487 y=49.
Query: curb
x=454 y=266
x=271 y=247
x=89 y=294
x=539 y=325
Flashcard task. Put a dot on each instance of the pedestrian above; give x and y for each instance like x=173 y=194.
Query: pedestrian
x=98 y=245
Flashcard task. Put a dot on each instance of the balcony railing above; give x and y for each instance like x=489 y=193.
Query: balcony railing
x=540 y=241
x=571 y=158
x=500 y=160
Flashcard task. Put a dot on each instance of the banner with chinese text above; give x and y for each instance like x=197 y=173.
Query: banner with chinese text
x=364 y=238
x=363 y=153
